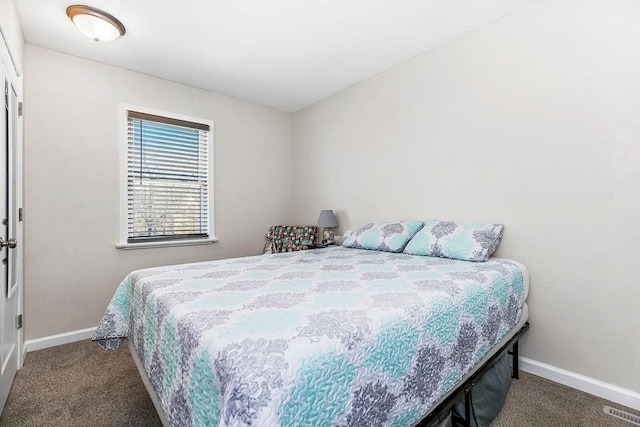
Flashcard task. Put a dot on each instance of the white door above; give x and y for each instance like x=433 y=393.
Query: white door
x=9 y=254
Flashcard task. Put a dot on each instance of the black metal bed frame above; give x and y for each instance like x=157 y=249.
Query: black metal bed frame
x=464 y=389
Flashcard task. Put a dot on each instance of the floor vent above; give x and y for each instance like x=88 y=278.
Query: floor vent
x=633 y=419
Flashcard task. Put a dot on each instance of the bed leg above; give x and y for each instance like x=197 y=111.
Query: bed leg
x=515 y=372
x=467 y=408
x=458 y=421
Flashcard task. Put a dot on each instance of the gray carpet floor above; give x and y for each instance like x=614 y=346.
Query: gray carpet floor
x=80 y=384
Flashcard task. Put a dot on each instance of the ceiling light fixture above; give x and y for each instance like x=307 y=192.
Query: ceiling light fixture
x=96 y=24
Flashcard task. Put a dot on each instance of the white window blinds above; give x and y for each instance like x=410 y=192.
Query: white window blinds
x=167 y=178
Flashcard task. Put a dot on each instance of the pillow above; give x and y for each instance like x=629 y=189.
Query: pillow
x=383 y=236
x=467 y=242
x=287 y=238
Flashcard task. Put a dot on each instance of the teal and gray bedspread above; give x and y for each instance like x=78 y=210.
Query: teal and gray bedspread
x=328 y=337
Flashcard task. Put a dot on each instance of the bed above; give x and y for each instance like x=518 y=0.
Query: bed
x=334 y=336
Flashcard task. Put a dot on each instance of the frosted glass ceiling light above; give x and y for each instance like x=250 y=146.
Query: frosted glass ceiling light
x=99 y=26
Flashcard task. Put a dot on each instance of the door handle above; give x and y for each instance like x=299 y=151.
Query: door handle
x=11 y=243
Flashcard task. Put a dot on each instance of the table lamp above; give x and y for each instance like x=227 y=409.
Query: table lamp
x=327 y=221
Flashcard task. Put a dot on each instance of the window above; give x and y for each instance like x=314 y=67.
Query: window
x=168 y=184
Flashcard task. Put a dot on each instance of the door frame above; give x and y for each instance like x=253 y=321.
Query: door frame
x=13 y=74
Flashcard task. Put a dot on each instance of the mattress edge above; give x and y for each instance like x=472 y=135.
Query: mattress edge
x=525 y=274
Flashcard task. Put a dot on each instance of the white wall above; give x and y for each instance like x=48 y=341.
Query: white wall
x=72 y=266
x=531 y=121
x=10 y=26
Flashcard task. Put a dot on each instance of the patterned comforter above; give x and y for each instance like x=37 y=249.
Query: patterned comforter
x=322 y=337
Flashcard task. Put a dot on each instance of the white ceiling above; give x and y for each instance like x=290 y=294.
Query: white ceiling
x=286 y=54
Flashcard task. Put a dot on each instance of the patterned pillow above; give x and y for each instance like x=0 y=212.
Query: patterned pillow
x=383 y=236
x=288 y=238
x=467 y=242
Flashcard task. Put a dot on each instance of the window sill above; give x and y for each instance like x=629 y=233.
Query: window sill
x=167 y=244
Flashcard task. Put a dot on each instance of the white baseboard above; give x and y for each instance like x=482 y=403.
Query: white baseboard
x=54 y=340
x=616 y=394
